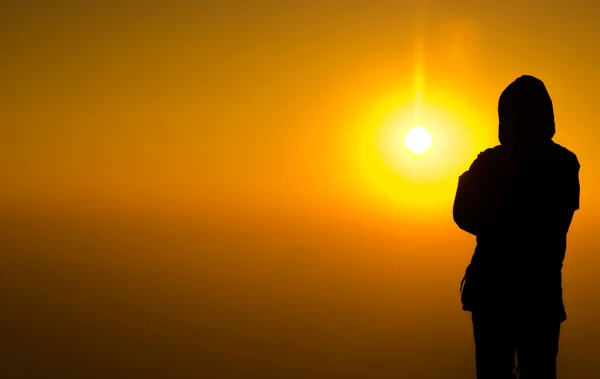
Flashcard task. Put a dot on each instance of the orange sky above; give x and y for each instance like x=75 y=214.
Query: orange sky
x=195 y=104
x=274 y=120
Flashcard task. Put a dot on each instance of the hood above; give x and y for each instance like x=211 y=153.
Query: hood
x=525 y=112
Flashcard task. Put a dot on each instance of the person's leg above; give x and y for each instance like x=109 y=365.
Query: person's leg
x=494 y=347
x=537 y=349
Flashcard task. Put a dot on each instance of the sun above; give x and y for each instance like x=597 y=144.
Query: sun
x=418 y=140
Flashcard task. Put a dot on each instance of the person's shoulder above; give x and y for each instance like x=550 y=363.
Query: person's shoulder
x=491 y=152
x=565 y=155
x=487 y=157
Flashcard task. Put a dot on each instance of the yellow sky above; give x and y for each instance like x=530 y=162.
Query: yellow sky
x=282 y=121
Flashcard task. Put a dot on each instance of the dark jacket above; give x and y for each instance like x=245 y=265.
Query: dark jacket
x=518 y=199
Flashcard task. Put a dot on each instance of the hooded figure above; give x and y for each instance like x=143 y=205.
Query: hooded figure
x=518 y=199
x=525 y=113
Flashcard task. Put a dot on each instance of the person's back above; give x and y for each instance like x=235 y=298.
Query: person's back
x=518 y=199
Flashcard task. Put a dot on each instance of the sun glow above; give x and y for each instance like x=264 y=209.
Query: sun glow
x=442 y=132
x=418 y=140
x=413 y=159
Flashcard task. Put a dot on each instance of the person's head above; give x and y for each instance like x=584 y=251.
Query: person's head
x=525 y=113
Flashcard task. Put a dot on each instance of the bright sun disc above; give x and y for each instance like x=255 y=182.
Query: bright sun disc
x=418 y=140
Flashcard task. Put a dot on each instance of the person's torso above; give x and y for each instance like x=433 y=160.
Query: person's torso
x=519 y=259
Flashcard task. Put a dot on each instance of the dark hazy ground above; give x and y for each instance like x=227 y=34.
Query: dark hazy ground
x=127 y=298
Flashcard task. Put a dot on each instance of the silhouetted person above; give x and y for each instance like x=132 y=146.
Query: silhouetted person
x=518 y=199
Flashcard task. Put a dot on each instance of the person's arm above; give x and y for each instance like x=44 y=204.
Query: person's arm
x=571 y=193
x=466 y=211
x=473 y=205
x=554 y=215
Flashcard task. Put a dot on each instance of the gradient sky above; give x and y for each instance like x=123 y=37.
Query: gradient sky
x=254 y=127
